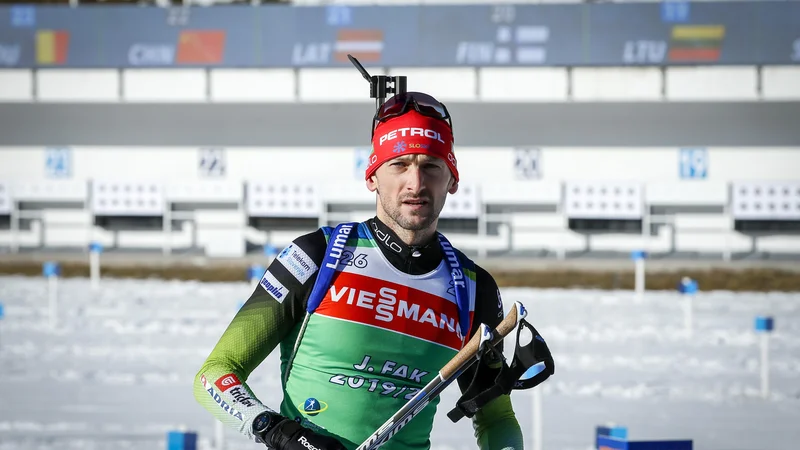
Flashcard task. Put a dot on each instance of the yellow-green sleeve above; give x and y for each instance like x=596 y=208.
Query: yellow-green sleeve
x=496 y=426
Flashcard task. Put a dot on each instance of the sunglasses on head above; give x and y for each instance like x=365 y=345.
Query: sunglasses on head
x=402 y=103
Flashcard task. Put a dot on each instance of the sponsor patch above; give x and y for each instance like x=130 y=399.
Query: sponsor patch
x=271 y=284
x=241 y=397
x=312 y=406
x=393 y=307
x=227 y=381
x=218 y=399
x=298 y=263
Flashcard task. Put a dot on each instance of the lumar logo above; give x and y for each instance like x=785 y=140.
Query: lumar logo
x=338 y=245
x=450 y=254
x=410 y=132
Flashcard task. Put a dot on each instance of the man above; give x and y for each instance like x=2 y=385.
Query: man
x=398 y=303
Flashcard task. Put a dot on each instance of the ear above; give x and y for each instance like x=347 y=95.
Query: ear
x=372 y=183
x=454 y=186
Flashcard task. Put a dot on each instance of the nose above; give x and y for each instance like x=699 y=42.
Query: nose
x=415 y=181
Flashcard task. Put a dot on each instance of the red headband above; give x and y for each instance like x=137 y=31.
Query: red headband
x=412 y=133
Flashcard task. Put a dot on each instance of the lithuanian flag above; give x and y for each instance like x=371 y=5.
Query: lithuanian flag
x=696 y=42
x=51 y=46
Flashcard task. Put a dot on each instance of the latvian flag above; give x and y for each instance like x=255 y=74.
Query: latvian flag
x=365 y=45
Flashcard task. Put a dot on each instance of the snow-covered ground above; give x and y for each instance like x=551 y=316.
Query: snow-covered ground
x=116 y=371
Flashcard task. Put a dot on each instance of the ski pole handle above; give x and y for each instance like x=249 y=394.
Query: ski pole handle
x=504 y=328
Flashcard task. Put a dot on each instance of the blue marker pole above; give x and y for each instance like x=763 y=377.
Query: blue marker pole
x=95 y=248
x=181 y=440
x=270 y=252
x=764 y=326
x=51 y=270
x=638 y=258
x=2 y=313
x=688 y=287
x=254 y=273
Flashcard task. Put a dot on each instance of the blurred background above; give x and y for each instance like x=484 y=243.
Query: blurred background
x=615 y=158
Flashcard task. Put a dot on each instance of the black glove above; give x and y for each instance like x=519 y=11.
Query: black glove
x=290 y=435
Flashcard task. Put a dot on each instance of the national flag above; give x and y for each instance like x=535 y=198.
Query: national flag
x=366 y=45
x=200 y=47
x=52 y=46
x=696 y=42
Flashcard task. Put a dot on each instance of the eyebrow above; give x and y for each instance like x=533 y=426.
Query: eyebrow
x=420 y=159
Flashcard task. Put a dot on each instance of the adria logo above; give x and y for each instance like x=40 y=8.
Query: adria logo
x=227 y=381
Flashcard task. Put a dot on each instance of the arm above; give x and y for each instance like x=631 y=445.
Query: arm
x=270 y=313
x=496 y=426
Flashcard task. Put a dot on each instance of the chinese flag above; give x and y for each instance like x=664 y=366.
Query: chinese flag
x=200 y=47
x=51 y=46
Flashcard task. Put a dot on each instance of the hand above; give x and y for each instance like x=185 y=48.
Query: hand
x=290 y=435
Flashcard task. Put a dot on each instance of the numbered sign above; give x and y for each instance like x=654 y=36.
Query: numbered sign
x=338 y=15
x=693 y=163
x=58 y=162
x=211 y=162
x=527 y=163
x=22 y=16
x=673 y=11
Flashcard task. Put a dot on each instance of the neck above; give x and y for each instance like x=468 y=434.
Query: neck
x=409 y=237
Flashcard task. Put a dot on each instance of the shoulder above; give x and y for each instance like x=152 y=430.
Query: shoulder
x=488 y=302
x=486 y=286
x=309 y=247
x=308 y=250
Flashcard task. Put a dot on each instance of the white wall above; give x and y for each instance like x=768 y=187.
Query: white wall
x=781 y=83
x=16 y=85
x=326 y=85
x=711 y=83
x=164 y=85
x=496 y=84
x=244 y=86
x=449 y=84
x=523 y=84
x=67 y=85
x=616 y=83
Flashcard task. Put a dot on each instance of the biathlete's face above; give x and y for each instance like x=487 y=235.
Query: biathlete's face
x=412 y=189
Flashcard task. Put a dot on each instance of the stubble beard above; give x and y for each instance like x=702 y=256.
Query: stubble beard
x=411 y=221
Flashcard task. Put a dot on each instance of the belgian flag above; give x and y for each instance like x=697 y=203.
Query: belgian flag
x=52 y=46
x=702 y=43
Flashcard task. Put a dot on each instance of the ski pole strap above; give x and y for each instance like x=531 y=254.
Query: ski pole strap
x=532 y=364
x=473 y=398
